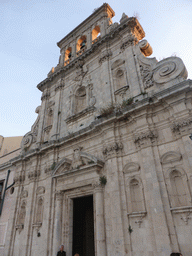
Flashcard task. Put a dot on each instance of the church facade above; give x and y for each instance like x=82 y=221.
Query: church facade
x=106 y=167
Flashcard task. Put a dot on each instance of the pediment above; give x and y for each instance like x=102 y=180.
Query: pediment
x=62 y=166
x=131 y=167
x=171 y=156
x=80 y=161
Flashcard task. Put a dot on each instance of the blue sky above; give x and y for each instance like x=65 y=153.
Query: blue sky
x=30 y=30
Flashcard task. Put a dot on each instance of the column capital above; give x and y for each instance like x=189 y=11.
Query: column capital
x=98 y=187
x=59 y=195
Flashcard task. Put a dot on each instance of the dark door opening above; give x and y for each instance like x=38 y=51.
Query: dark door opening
x=83 y=226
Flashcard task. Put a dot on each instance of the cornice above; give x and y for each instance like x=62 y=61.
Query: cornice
x=131 y=23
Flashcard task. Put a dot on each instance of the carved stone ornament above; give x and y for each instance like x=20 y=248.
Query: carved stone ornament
x=37 y=226
x=33 y=174
x=19 y=227
x=19 y=178
x=184 y=213
x=24 y=194
x=105 y=55
x=131 y=167
x=112 y=149
x=77 y=159
x=97 y=186
x=60 y=85
x=177 y=126
x=138 y=216
x=145 y=138
x=124 y=17
x=170 y=157
x=45 y=95
x=169 y=69
x=147 y=76
x=27 y=140
x=80 y=73
x=40 y=190
x=128 y=41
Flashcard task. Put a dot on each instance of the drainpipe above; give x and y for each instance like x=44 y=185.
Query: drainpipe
x=1 y=206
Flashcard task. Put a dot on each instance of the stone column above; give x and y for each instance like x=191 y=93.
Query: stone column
x=57 y=223
x=100 y=225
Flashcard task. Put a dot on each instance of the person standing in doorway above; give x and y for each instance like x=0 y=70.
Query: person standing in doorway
x=61 y=252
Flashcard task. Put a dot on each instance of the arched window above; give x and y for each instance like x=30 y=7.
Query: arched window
x=80 y=99
x=39 y=214
x=95 y=34
x=179 y=194
x=120 y=78
x=68 y=54
x=137 y=200
x=81 y=45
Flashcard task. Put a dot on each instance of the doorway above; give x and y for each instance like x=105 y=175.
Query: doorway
x=83 y=226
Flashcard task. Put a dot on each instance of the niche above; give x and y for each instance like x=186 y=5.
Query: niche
x=80 y=99
x=136 y=193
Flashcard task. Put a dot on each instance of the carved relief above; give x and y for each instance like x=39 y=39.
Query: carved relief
x=182 y=127
x=131 y=167
x=105 y=55
x=145 y=138
x=169 y=69
x=45 y=95
x=128 y=41
x=80 y=73
x=33 y=174
x=170 y=157
x=19 y=178
x=112 y=149
x=60 y=84
x=27 y=140
x=24 y=194
x=77 y=159
x=40 y=190
x=147 y=76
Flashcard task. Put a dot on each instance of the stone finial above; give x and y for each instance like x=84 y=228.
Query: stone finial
x=123 y=18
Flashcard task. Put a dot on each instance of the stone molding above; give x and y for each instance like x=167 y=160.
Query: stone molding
x=19 y=178
x=80 y=114
x=112 y=149
x=59 y=195
x=45 y=96
x=128 y=41
x=33 y=174
x=131 y=167
x=105 y=55
x=40 y=190
x=178 y=125
x=138 y=216
x=144 y=139
x=184 y=212
x=171 y=156
x=24 y=194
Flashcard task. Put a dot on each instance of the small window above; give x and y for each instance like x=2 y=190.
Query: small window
x=95 y=34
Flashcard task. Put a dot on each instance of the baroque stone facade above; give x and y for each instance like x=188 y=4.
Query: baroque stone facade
x=113 y=124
